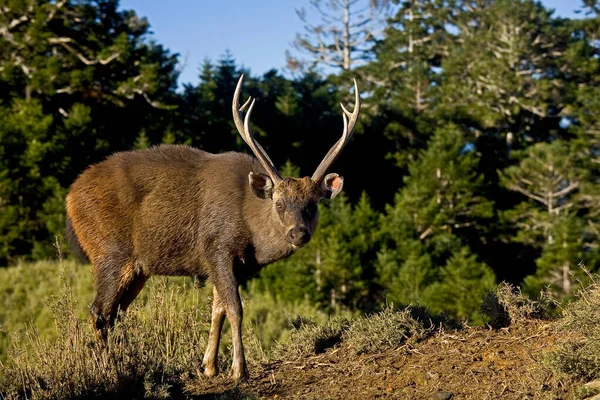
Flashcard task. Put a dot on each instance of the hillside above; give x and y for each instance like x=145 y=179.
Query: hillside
x=401 y=352
x=526 y=350
x=520 y=354
x=474 y=363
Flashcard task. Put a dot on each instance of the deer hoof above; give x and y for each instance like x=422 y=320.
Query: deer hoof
x=240 y=375
x=210 y=371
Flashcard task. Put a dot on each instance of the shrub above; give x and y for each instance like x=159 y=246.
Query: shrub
x=509 y=306
x=578 y=353
x=385 y=330
x=309 y=338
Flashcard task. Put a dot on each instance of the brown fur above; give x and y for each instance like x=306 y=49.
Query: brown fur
x=177 y=210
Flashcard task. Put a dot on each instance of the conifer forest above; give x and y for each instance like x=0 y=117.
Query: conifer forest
x=476 y=159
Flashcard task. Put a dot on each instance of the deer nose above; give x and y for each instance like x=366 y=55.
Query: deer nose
x=298 y=236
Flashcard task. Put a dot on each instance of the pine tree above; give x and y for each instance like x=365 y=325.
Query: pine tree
x=548 y=175
x=422 y=229
x=344 y=34
x=462 y=285
x=87 y=79
x=562 y=258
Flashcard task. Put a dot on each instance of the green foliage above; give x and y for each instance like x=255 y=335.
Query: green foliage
x=463 y=283
x=549 y=175
x=77 y=78
x=561 y=258
x=442 y=187
x=27 y=288
x=424 y=260
x=510 y=78
x=141 y=142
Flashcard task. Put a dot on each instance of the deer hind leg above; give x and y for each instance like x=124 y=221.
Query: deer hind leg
x=210 y=360
x=130 y=293
x=117 y=284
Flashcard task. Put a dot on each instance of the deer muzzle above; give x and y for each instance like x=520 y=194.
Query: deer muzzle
x=298 y=236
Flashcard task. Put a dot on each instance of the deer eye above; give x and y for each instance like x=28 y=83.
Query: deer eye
x=312 y=208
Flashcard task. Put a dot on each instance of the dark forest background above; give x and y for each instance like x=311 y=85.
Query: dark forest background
x=476 y=158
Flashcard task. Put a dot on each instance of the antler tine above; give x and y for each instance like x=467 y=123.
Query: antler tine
x=246 y=133
x=349 y=119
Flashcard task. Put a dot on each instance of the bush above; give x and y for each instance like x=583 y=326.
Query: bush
x=578 y=353
x=507 y=305
x=385 y=330
x=309 y=338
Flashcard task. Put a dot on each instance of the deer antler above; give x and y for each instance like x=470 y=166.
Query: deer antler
x=350 y=119
x=246 y=133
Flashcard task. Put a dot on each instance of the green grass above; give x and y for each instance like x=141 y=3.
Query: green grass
x=48 y=348
x=147 y=352
x=25 y=291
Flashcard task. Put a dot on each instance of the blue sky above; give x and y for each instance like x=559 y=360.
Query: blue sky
x=256 y=32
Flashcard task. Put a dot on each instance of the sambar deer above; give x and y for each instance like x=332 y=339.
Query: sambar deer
x=177 y=210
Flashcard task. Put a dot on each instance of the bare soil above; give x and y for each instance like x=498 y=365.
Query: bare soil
x=470 y=363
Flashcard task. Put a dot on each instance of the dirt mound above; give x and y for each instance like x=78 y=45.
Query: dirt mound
x=470 y=363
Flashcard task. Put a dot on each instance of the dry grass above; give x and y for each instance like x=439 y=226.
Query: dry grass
x=385 y=330
x=378 y=332
x=309 y=338
x=509 y=306
x=148 y=354
x=578 y=351
x=156 y=351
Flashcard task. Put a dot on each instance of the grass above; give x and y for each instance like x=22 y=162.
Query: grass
x=578 y=353
x=48 y=348
x=25 y=291
x=388 y=329
x=310 y=338
x=374 y=333
x=509 y=306
x=148 y=354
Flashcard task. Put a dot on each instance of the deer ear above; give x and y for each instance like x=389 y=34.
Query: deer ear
x=332 y=184
x=261 y=185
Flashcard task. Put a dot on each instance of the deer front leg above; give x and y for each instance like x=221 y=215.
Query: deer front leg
x=227 y=289
x=210 y=360
x=235 y=314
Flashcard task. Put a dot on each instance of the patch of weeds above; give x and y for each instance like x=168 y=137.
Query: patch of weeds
x=387 y=329
x=373 y=333
x=578 y=352
x=145 y=356
x=509 y=306
x=309 y=338
x=586 y=392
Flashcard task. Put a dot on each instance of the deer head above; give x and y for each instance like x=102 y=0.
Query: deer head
x=294 y=200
